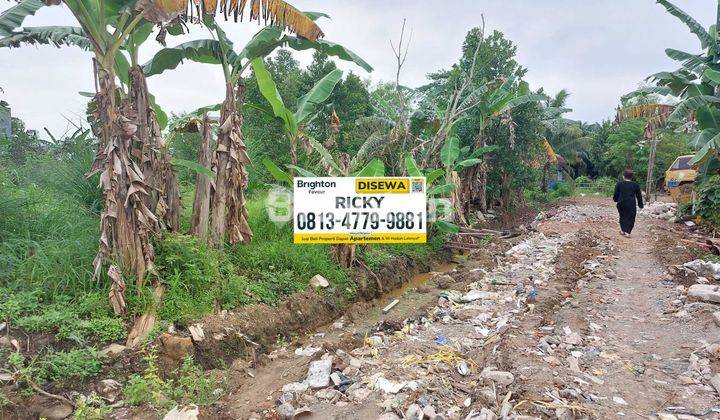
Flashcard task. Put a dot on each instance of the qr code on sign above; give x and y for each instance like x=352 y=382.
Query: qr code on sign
x=416 y=186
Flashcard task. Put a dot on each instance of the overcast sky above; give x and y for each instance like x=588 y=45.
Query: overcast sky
x=596 y=49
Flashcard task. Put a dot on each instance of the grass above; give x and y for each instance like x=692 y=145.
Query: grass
x=48 y=239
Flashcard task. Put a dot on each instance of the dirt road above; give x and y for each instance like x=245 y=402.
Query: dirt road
x=569 y=321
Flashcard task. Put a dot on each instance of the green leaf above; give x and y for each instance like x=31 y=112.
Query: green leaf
x=376 y=167
x=206 y=51
x=650 y=90
x=433 y=175
x=122 y=67
x=194 y=166
x=411 y=166
x=447 y=227
x=712 y=75
x=309 y=102
x=325 y=155
x=482 y=151
x=689 y=105
x=261 y=44
x=708 y=117
x=270 y=92
x=706 y=40
x=468 y=163
x=522 y=100
x=450 y=151
x=276 y=172
x=442 y=189
x=13 y=17
x=56 y=36
x=301 y=171
x=162 y=117
x=142 y=32
x=330 y=48
x=316 y=15
x=709 y=150
x=690 y=61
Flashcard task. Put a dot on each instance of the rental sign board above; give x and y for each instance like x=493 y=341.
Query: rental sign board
x=333 y=210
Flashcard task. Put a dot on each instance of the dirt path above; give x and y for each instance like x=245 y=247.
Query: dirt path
x=573 y=321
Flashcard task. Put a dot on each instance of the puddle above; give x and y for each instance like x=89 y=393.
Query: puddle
x=419 y=280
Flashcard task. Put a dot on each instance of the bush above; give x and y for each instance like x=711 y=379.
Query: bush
x=563 y=190
x=708 y=199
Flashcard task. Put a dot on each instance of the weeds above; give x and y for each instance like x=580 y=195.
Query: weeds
x=192 y=385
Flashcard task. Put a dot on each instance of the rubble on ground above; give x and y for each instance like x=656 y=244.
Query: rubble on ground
x=659 y=210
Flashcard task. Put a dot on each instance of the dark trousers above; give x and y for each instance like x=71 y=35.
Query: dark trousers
x=627 y=211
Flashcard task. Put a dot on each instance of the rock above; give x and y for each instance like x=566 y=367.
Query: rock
x=50 y=408
x=574 y=339
x=414 y=412
x=500 y=377
x=295 y=387
x=564 y=414
x=389 y=387
x=429 y=411
x=189 y=412
x=474 y=295
x=197 y=333
x=319 y=374
x=358 y=393
x=328 y=394
x=619 y=400
x=375 y=341
x=704 y=268
x=6 y=377
x=319 y=282
x=716 y=317
x=5 y=342
x=109 y=389
x=704 y=292
x=443 y=281
x=286 y=411
x=466 y=313
x=176 y=347
x=388 y=416
x=715 y=382
x=113 y=349
x=666 y=416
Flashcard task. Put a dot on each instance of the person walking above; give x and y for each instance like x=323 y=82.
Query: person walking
x=628 y=197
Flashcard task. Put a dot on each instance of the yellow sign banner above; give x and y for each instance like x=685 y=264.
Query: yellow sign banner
x=347 y=238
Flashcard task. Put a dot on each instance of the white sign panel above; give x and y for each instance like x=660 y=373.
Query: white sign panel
x=359 y=210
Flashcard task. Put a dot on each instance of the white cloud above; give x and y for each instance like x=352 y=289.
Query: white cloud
x=597 y=49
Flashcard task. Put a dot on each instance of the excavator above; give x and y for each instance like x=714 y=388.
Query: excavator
x=680 y=179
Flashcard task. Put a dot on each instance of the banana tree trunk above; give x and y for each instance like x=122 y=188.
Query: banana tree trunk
x=126 y=222
x=201 y=205
x=163 y=197
x=229 y=215
x=545 y=175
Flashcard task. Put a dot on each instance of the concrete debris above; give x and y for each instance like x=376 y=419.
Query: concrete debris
x=704 y=292
x=197 y=333
x=659 y=210
x=319 y=282
x=318 y=375
x=702 y=268
x=307 y=351
x=500 y=377
x=109 y=389
x=190 y=412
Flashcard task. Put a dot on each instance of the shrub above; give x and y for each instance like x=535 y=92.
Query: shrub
x=708 y=199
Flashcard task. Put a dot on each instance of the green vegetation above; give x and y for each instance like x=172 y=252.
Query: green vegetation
x=191 y=385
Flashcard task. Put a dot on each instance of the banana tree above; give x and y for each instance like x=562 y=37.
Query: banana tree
x=493 y=101
x=308 y=104
x=228 y=212
x=697 y=84
x=126 y=221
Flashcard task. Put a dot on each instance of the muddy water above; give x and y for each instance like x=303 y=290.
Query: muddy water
x=418 y=280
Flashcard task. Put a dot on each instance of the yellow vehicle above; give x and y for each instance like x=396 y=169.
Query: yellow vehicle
x=680 y=179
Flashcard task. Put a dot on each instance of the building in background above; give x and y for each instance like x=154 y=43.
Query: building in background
x=5 y=120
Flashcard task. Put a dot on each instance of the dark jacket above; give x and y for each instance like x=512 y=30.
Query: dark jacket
x=626 y=192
